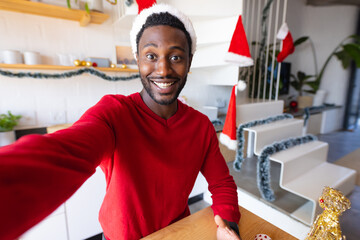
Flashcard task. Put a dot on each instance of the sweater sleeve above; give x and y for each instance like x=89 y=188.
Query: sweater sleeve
x=39 y=172
x=221 y=183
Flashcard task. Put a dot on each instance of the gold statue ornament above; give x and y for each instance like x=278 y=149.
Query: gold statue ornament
x=326 y=225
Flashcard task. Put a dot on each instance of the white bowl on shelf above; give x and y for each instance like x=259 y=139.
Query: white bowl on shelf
x=32 y=58
x=12 y=57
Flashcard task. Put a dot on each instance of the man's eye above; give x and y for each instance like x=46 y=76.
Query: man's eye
x=175 y=58
x=150 y=56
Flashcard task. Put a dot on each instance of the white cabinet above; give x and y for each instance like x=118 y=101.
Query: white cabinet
x=326 y=121
x=82 y=209
x=53 y=227
x=77 y=218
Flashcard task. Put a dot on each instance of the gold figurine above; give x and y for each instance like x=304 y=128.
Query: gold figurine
x=326 y=225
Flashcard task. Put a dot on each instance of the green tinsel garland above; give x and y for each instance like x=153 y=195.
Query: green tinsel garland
x=240 y=136
x=307 y=111
x=263 y=165
x=68 y=75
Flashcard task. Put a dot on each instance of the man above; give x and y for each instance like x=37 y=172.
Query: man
x=150 y=146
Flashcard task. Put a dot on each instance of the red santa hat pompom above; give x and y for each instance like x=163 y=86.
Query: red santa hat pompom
x=241 y=86
x=142 y=4
x=287 y=40
x=239 y=52
x=228 y=134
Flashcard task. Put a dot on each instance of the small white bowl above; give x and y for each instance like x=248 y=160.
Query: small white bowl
x=12 y=57
x=32 y=58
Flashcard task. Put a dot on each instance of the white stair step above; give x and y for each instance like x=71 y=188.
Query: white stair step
x=247 y=112
x=298 y=151
x=305 y=213
x=276 y=131
x=311 y=183
x=299 y=159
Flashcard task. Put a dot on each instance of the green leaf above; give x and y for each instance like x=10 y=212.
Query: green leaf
x=87 y=7
x=300 y=40
x=355 y=37
x=344 y=57
x=8 y=122
x=295 y=85
x=353 y=50
x=314 y=85
x=310 y=91
x=68 y=4
x=301 y=75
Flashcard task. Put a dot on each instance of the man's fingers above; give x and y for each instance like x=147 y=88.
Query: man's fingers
x=219 y=221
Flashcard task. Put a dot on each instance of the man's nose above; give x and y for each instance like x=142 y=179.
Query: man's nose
x=163 y=67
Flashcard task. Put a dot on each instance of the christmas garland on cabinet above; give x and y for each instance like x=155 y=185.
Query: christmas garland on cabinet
x=240 y=136
x=68 y=75
x=263 y=164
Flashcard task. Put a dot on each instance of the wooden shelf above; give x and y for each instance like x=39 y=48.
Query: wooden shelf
x=58 y=67
x=42 y=9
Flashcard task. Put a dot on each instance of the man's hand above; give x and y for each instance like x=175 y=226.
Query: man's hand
x=224 y=232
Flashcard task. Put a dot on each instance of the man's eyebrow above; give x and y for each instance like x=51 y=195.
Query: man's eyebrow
x=150 y=44
x=172 y=47
x=177 y=47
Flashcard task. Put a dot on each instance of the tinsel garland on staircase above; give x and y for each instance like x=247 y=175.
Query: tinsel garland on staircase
x=241 y=140
x=307 y=111
x=263 y=165
x=68 y=75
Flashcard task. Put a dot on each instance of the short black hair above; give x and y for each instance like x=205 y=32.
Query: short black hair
x=163 y=18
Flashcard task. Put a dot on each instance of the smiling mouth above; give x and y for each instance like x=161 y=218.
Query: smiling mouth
x=163 y=85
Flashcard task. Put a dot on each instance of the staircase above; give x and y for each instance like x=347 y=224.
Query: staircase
x=304 y=169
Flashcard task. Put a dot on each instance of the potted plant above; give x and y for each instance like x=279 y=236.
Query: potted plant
x=93 y=5
x=346 y=51
x=298 y=82
x=7 y=123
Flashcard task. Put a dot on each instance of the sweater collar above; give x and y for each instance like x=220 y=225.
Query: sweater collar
x=136 y=97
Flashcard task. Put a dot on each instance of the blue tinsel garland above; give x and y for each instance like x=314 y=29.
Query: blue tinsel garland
x=240 y=136
x=68 y=75
x=263 y=165
x=307 y=111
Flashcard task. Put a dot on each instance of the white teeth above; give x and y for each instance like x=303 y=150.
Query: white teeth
x=163 y=85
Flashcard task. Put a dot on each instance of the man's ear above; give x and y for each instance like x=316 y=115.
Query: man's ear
x=137 y=58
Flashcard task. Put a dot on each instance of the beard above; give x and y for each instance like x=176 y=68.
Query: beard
x=147 y=86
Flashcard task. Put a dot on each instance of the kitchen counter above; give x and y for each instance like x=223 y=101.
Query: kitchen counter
x=201 y=225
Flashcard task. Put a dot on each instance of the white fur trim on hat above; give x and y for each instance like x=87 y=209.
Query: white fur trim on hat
x=241 y=61
x=283 y=31
x=227 y=141
x=159 y=8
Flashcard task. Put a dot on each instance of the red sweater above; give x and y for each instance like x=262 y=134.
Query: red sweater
x=150 y=165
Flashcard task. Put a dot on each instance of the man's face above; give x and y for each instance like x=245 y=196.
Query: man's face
x=164 y=61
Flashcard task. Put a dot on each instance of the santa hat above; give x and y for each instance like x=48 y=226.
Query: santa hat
x=228 y=134
x=239 y=52
x=287 y=40
x=142 y=4
x=140 y=20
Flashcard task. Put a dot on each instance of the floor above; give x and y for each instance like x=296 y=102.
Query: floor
x=340 y=144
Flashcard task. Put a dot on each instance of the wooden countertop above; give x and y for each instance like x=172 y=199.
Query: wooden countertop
x=201 y=225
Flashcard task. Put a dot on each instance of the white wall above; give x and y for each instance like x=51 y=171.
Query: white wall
x=46 y=102
x=327 y=27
